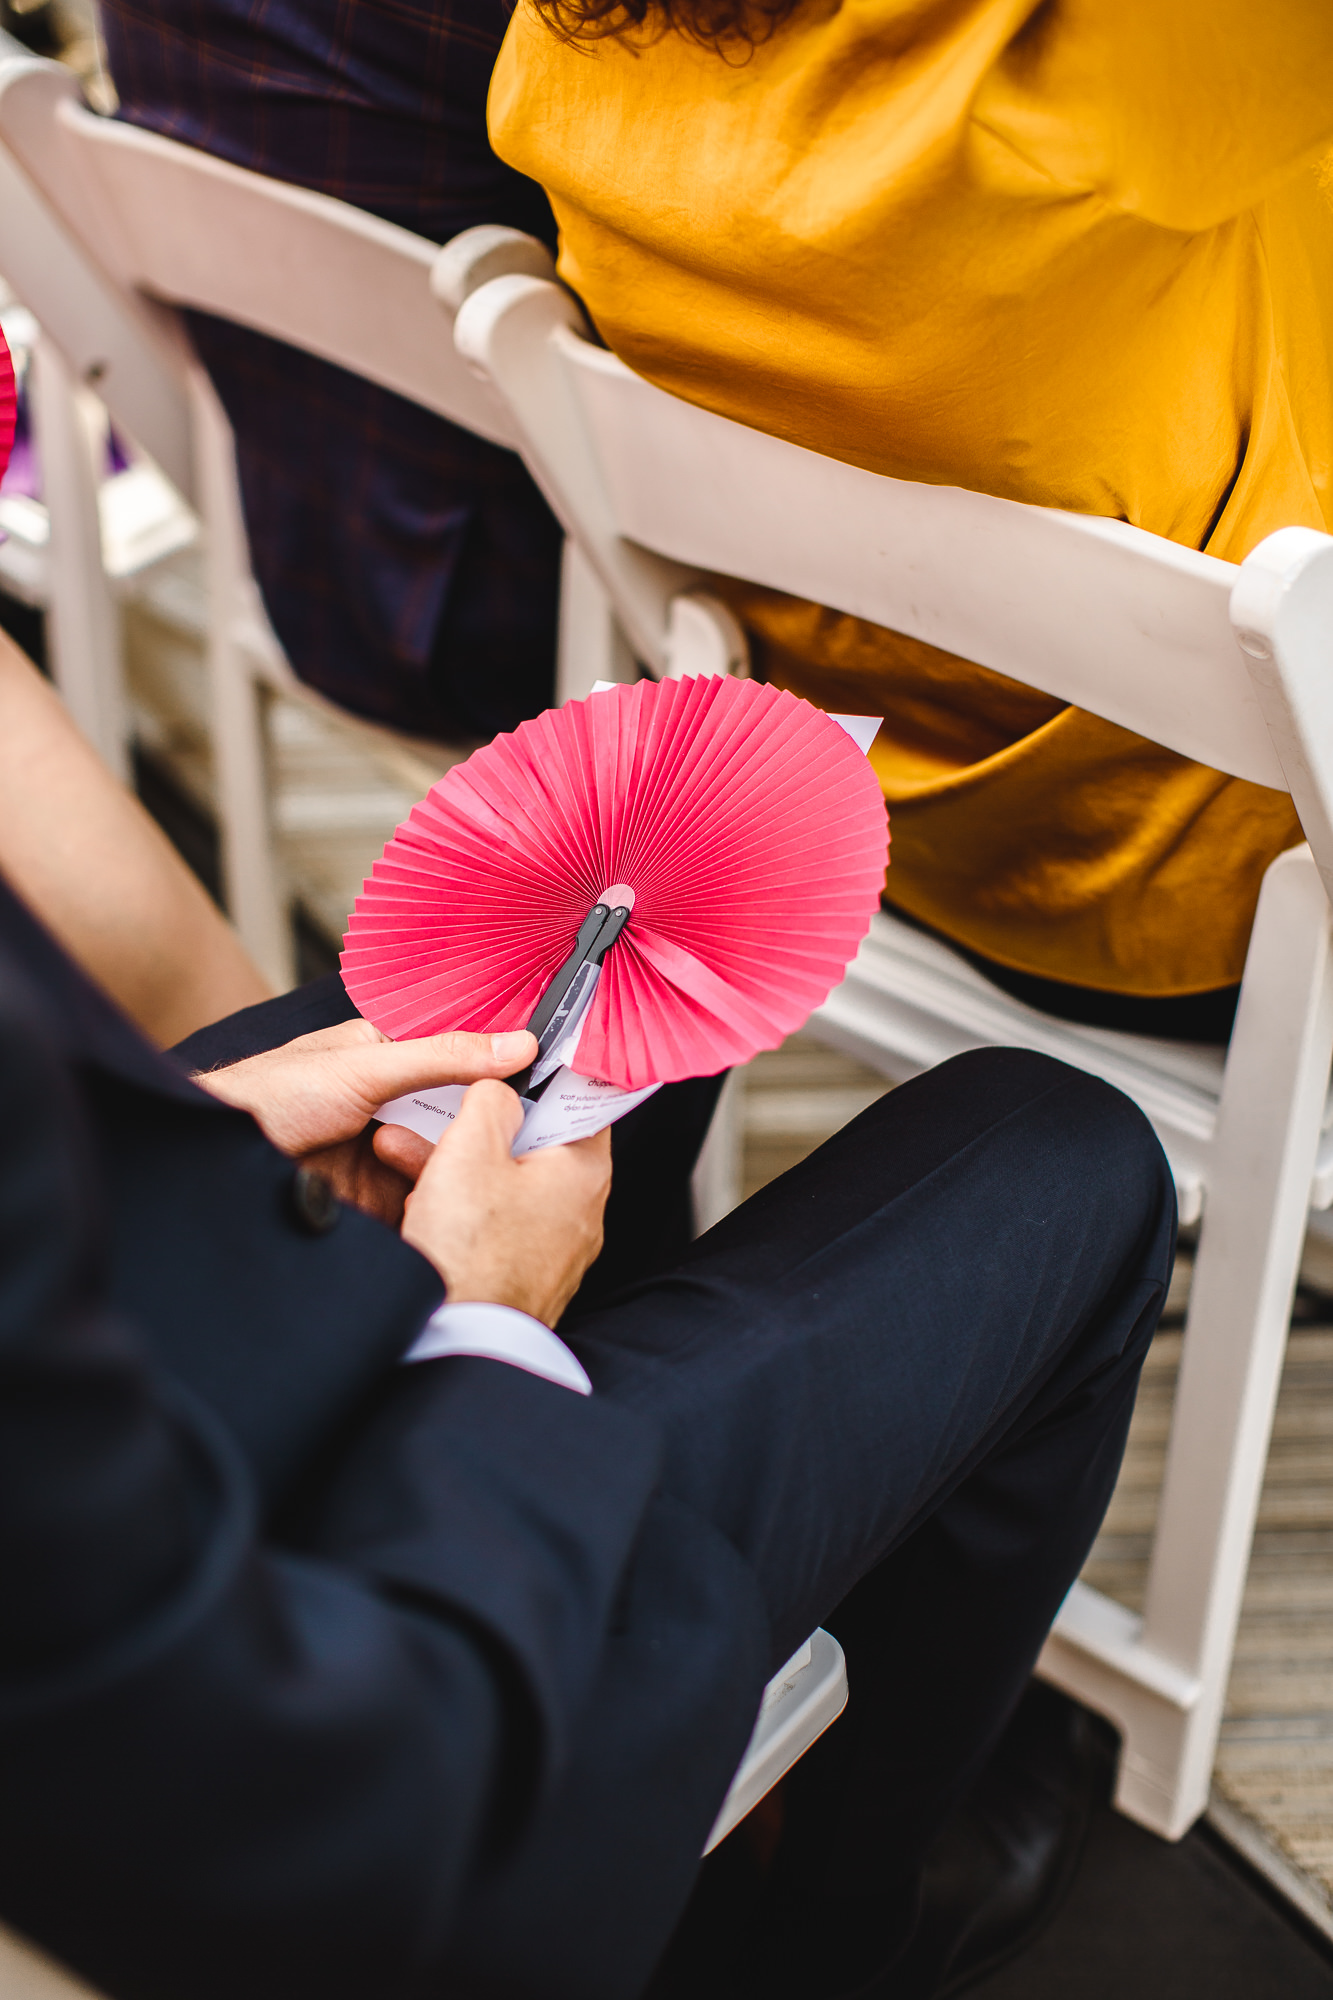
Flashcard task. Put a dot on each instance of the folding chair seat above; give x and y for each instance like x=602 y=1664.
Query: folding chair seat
x=1227 y=664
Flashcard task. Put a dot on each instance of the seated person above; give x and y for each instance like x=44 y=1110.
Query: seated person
x=353 y=1644
x=108 y=881
x=411 y=569
x=1064 y=253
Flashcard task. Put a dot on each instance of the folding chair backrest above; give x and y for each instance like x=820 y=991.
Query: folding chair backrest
x=176 y=224
x=1095 y=612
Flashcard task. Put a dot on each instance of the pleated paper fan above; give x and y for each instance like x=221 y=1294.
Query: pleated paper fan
x=749 y=825
x=8 y=405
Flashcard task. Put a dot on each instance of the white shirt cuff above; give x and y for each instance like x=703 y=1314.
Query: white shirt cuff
x=499 y=1333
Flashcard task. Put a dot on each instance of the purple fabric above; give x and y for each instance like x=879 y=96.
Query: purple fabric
x=23 y=473
x=410 y=569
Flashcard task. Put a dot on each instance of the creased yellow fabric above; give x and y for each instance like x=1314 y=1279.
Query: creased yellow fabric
x=1079 y=254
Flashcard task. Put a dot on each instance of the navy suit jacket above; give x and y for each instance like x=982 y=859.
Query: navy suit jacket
x=318 y=1675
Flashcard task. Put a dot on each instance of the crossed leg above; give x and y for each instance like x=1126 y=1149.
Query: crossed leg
x=900 y=1380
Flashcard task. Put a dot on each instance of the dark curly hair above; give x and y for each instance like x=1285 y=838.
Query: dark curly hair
x=728 y=26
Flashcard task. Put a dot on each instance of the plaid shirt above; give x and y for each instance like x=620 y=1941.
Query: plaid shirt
x=410 y=569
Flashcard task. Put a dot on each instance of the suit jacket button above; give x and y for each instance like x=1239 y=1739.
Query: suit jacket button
x=314 y=1204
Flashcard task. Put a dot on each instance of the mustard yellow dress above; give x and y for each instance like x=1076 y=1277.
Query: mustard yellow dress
x=1078 y=253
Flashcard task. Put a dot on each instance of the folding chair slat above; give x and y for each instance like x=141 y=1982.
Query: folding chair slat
x=1095 y=612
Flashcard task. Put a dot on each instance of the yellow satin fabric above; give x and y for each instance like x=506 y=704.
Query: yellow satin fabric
x=1079 y=254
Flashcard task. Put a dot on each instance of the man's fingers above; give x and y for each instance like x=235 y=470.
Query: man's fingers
x=596 y=1147
x=342 y=1035
x=487 y=1122
x=406 y=1152
x=580 y=1169
x=454 y=1058
x=484 y=1132
x=393 y=1068
x=590 y=1158
x=493 y=1055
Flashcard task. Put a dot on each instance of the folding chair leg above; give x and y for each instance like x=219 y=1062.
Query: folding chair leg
x=256 y=891
x=1163 y=1679
x=704 y=637
x=83 y=617
x=591 y=645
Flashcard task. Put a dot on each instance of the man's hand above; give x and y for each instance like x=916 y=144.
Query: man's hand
x=314 y=1098
x=508 y=1232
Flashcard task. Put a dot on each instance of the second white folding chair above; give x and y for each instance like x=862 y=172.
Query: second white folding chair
x=1227 y=665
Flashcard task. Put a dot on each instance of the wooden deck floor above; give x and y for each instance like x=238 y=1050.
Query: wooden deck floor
x=339 y=796
x=1275 y=1760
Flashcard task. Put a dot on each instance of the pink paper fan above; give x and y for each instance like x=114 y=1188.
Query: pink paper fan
x=749 y=825
x=8 y=404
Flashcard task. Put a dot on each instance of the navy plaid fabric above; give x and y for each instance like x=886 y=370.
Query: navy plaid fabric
x=410 y=569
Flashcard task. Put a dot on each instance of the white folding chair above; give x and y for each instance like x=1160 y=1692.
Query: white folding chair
x=102 y=226
x=1230 y=665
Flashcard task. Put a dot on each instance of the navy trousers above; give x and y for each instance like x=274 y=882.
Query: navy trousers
x=899 y=1380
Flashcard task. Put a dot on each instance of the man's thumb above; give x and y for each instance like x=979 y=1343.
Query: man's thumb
x=488 y=1118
